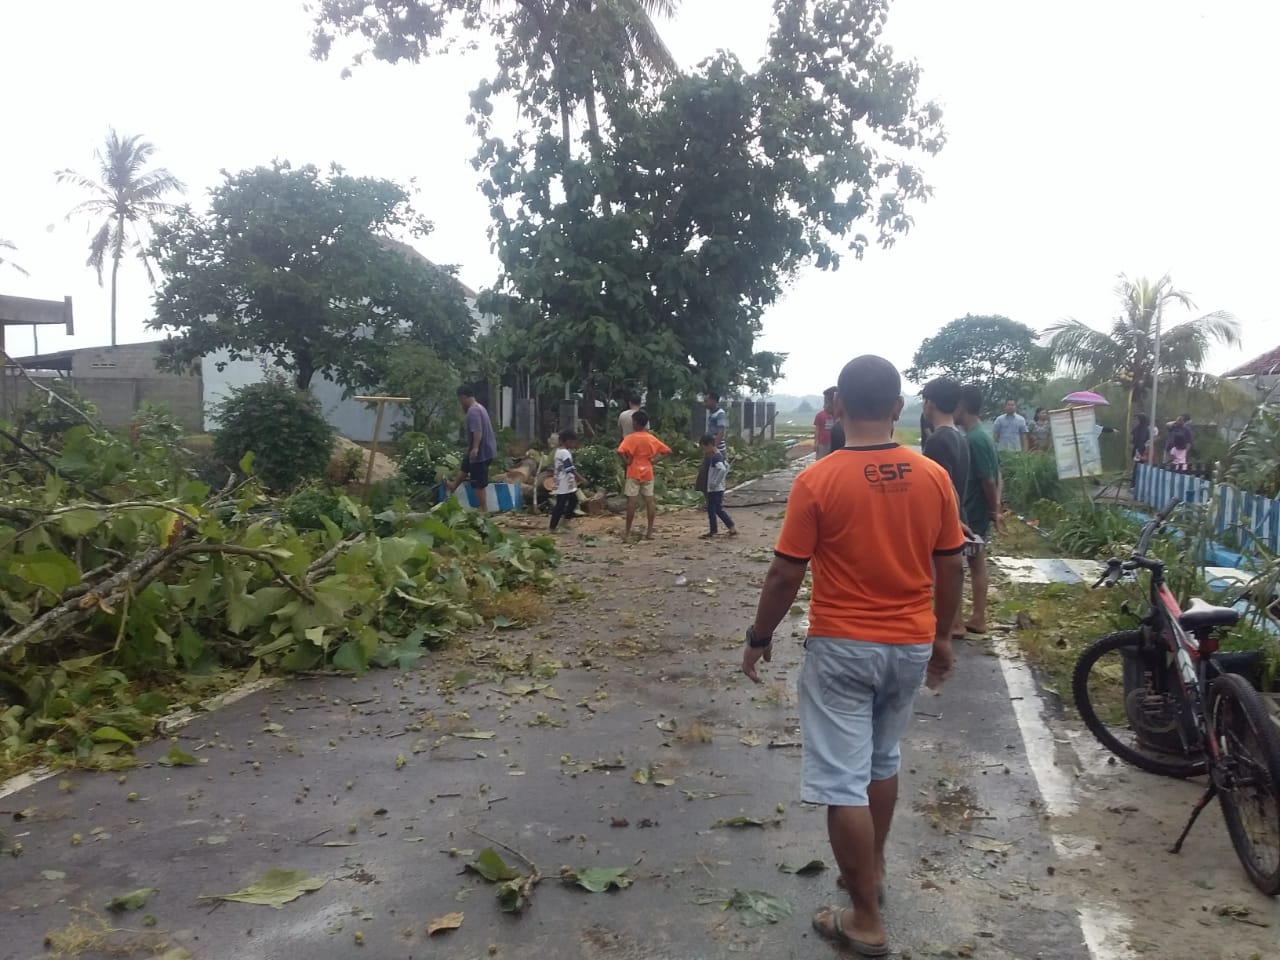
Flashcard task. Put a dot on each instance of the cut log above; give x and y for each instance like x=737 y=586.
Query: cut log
x=522 y=473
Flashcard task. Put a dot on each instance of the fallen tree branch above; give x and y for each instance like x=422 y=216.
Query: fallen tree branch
x=265 y=556
x=325 y=560
x=74 y=610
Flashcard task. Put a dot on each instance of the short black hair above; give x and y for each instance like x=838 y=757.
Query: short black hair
x=971 y=399
x=829 y=393
x=634 y=400
x=712 y=395
x=708 y=440
x=640 y=420
x=466 y=390
x=567 y=435
x=944 y=393
x=869 y=388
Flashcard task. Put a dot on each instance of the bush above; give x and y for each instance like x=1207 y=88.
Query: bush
x=1029 y=478
x=303 y=509
x=1081 y=528
x=599 y=467
x=281 y=426
x=425 y=462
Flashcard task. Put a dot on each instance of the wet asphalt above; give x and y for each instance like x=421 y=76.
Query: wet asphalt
x=368 y=785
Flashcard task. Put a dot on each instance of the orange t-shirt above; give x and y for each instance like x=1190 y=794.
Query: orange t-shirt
x=871 y=519
x=642 y=446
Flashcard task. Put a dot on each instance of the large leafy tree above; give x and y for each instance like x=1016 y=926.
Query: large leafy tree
x=301 y=267
x=5 y=262
x=650 y=258
x=1125 y=355
x=552 y=55
x=125 y=200
x=998 y=354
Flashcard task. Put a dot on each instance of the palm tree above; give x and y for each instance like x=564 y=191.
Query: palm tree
x=1126 y=355
x=582 y=40
x=127 y=197
x=8 y=245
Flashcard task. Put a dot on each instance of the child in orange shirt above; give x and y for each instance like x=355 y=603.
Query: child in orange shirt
x=640 y=450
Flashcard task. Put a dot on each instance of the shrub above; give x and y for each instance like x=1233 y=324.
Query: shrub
x=1081 y=528
x=426 y=462
x=281 y=426
x=1029 y=478
x=599 y=467
x=303 y=509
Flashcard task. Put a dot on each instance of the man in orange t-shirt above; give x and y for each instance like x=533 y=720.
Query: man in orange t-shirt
x=640 y=450
x=880 y=525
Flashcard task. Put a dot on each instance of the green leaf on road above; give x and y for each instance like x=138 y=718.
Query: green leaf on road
x=274 y=888
x=492 y=867
x=178 y=758
x=475 y=735
x=134 y=900
x=599 y=879
x=756 y=908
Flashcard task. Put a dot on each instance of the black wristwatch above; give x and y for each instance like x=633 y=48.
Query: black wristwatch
x=757 y=643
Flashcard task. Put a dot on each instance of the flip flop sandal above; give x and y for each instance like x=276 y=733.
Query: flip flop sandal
x=835 y=934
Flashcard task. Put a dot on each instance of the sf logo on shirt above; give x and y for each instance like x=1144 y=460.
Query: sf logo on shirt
x=887 y=477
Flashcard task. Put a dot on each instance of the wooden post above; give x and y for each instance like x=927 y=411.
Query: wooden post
x=377 y=428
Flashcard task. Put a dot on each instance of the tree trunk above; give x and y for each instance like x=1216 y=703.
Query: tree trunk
x=116 y=254
x=303 y=371
x=597 y=146
x=564 y=126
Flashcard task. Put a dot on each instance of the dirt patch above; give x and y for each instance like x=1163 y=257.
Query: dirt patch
x=384 y=468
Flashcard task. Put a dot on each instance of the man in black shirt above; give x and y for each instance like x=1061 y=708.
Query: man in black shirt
x=946 y=445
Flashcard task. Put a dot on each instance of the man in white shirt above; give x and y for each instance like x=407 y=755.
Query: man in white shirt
x=625 y=426
x=1010 y=430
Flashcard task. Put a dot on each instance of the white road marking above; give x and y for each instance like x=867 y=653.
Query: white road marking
x=1105 y=930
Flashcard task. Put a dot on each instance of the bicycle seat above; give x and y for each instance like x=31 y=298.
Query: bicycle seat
x=1201 y=616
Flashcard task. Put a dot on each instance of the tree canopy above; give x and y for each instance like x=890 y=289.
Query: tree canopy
x=998 y=354
x=649 y=259
x=301 y=268
x=1125 y=355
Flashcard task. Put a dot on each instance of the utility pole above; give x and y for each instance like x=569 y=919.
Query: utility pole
x=1155 y=383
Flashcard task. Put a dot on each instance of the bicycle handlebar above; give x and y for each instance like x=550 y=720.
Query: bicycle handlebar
x=1138 y=558
x=1144 y=543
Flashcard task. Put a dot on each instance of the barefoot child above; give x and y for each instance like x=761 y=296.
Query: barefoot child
x=640 y=450
x=566 y=477
x=716 y=465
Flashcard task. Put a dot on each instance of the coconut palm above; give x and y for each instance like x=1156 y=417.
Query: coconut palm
x=127 y=197
x=8 y=245
x=1125 y=356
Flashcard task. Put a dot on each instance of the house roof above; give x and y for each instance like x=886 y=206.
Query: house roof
x=1264 y=366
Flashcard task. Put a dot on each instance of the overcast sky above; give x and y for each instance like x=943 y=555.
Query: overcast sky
x=1086 y=138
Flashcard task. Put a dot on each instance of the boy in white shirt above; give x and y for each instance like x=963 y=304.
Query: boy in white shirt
x=566 y=477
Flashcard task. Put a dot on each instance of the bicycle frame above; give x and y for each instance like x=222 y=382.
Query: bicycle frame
x=1192 y=657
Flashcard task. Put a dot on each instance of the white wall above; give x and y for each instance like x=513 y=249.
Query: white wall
x=350 y=418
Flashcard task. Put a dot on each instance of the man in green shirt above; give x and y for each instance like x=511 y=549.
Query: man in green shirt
x=981 y=507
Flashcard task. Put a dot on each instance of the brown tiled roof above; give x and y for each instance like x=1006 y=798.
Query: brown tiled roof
x=1263 y=366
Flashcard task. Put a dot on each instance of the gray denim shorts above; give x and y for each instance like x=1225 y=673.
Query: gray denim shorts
x=855 y=701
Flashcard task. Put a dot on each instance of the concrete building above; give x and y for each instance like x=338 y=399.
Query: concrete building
x=1262 y=373
x=117 y=380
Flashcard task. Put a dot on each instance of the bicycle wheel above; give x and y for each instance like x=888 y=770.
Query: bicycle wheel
x=1249 y=759
x=1130 y=699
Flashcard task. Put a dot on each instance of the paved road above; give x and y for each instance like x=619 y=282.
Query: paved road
x=365 y=784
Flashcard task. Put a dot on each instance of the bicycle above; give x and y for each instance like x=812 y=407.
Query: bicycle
x=1186 y=710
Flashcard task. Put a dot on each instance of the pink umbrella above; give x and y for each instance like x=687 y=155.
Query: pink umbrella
x=1086 y=398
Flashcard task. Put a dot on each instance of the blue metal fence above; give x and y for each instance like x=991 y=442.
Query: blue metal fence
x=1248 y=514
